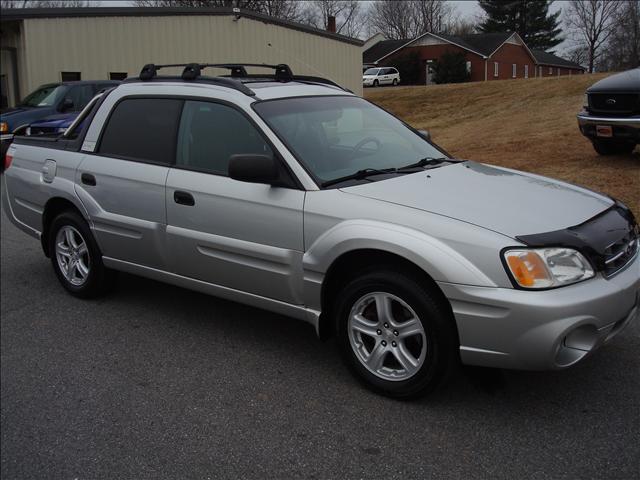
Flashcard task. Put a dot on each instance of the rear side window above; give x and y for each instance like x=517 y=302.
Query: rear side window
x=210 y=133
x=142 y=129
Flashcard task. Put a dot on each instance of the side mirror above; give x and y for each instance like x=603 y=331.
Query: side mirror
x=253 y=168
x=67 y=104
x=425 y=134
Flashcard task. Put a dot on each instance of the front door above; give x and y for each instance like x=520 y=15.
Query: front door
x=430 y=73
x=239 y=235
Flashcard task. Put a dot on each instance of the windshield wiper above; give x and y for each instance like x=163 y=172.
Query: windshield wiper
x=423 y=162
x=367 y=172
x=359 y=175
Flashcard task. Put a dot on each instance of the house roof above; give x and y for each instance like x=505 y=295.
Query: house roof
x=13 y=14
x=484 y=43
x=381 y=49
x=546 y=58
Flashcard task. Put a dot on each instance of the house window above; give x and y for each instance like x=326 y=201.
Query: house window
x=495 y=69
x=539 y=71
x=70 y=76
x=117 y=75
x=526 y=71
x=468 y=66
x=550 y=70
x=514 y=70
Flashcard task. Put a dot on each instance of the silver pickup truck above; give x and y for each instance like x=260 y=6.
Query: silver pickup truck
x=292 y=194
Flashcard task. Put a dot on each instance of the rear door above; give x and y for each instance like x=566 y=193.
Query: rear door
x=122 y=184
x=243 y=236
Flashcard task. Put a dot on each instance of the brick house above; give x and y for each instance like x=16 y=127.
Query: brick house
x=489 y=56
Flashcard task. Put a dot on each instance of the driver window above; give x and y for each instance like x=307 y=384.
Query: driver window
x=211 y=132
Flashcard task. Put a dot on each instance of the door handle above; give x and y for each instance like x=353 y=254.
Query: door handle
x=183 y=198
x=88 y=179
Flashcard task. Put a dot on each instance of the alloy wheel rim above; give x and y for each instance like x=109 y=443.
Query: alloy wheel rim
x=72 y=255
x=387 y=336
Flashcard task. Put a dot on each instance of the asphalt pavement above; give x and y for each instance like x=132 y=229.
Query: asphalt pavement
x=154 y=381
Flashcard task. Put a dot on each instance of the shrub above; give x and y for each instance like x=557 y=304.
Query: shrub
x=408 y=64
x=451 y=67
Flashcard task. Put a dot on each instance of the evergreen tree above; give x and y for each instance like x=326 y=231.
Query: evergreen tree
x=530 y=18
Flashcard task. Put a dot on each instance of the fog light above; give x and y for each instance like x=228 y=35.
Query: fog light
x=576 y=345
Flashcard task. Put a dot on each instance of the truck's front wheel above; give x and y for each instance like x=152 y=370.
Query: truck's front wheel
x=394 y=334
x=613 y=147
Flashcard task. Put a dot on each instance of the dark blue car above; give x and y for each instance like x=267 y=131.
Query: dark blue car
x=47 y=100
x=52 y=124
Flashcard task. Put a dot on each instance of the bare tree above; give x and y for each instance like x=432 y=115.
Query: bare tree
x=244 y=4
x=579 y=55
x=592 y=23
x=461 y=26
x=408 y=19
x=43 y=3
x=286 y=9
x=348 y=14
x=623 y=48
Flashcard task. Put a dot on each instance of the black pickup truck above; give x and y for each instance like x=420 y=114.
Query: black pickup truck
x=611 y=114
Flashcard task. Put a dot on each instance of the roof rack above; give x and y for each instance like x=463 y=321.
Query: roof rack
x=236 y=79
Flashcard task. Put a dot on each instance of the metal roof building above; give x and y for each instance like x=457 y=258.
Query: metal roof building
x=50 y=45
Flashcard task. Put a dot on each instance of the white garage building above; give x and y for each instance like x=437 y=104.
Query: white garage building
x=50 y=45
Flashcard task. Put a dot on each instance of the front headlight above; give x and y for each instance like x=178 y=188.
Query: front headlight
x=585 y=101
x=547 y=267
x=4 y=127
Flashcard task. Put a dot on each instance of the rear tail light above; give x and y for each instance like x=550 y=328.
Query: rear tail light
x=7 y=161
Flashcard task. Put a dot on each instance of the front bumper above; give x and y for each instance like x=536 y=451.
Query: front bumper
x=543 y=330
x=623 y=128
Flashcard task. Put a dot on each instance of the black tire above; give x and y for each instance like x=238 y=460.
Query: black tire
x=439 y=328
x=613 y=147
x=99 y=278
x=395 y=82
x=376 y=83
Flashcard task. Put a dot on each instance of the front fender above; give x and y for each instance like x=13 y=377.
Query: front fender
x=433 y=256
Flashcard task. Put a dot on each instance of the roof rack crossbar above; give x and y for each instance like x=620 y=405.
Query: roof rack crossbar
x=238 y=72
x=193 y=71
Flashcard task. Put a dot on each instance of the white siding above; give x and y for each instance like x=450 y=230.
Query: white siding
x=96 y=46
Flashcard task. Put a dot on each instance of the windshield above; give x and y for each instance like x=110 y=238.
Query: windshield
x=371 y=71
x=45 y=96
x=338 y=136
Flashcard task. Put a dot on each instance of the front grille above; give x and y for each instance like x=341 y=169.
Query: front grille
x=620 y=253
x=624 y=103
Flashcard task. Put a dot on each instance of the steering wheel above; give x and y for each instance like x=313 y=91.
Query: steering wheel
x=363 y=142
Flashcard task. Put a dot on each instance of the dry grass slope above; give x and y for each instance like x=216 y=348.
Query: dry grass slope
x=527 y=124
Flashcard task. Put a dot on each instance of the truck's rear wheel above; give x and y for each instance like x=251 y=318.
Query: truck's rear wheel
x=613 y=147
x=394 y=334
x=76 y=258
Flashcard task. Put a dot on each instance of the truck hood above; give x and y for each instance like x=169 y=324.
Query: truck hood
x=24 y=115
x=62 y=120
x=623 y=82
x=506 y=201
